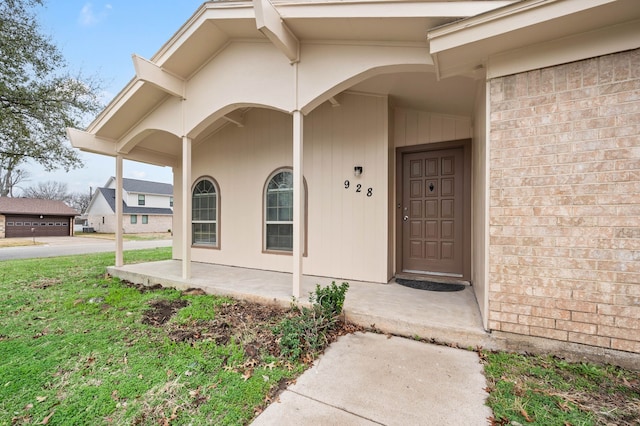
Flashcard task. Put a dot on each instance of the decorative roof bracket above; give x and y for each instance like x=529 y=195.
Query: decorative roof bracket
x=270 y=23
x=236 y=117
x=153 y=74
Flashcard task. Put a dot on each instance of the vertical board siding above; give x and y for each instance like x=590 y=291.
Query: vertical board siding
x=420 y=127
x=347 y=231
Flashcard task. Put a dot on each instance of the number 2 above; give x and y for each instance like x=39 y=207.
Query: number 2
x=358 y=188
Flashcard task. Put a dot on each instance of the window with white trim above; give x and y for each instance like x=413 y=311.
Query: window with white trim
x=204 y=213
x=278 y=204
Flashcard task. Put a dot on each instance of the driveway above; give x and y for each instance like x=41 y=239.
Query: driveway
x=64 y=246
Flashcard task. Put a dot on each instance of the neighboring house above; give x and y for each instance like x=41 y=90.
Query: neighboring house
x=495 y=142
x=147 y=207
x=32 y=217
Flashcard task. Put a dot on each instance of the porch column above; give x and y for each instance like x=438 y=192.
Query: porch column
x=186 y=208
x=119 y=204
x=298 y=203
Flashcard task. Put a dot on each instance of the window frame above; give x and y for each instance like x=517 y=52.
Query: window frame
x=216 y=221
x=264 y=215
x=142 y=200
x=133 y=219
x=145 y=219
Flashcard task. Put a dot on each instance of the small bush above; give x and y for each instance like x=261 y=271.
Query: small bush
x=330 y=298
x=309 y=331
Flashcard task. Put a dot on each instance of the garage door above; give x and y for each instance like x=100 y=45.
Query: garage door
x=29 y=226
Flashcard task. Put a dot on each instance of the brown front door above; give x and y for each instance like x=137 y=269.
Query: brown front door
x=432 y=212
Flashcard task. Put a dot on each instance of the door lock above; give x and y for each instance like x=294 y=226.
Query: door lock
x=405 y=218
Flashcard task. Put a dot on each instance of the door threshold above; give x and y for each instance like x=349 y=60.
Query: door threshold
x=432 y=278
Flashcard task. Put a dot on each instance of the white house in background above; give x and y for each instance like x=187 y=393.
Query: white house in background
x=147 y=207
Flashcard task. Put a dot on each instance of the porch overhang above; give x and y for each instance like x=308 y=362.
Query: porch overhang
x=286 y=25
x=533 y=34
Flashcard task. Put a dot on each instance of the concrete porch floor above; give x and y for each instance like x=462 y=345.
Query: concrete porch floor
x=447 y=317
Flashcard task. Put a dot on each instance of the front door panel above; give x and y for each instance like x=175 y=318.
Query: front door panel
x=432 y=212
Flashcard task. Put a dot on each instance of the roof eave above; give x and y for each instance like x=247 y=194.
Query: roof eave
x=464 y=46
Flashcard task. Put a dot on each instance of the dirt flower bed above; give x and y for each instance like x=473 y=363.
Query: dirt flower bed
x=249 y=324
x=252 y=326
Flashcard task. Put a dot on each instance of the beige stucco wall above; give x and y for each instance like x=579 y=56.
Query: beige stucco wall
x=2 y=226
x=564 y=202
x=347 y=231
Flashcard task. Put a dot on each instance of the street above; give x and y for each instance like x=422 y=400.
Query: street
x=64 y=246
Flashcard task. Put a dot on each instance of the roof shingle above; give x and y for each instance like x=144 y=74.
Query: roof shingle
x=9 y=205
x=109 y=194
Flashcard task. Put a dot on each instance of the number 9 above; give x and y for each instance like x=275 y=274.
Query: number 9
x=346 y=184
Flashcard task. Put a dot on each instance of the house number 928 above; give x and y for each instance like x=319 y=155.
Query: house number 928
x=347 y=184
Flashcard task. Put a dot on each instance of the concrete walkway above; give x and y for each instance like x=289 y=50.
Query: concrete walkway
x=369 y=379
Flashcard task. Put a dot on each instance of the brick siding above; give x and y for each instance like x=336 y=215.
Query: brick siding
x=565 y=202
x=157 y=223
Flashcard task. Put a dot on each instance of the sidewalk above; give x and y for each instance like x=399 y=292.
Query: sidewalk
x=370 y=379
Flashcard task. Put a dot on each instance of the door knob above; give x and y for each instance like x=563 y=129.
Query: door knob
x=405 y=218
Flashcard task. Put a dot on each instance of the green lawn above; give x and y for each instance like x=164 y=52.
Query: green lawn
x=79 y=347
x=546 y=390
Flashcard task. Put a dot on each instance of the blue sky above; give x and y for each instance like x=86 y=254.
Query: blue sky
x=98 y=38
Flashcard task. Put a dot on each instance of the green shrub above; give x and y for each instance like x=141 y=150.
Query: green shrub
x=308 y=332
x=330 y=298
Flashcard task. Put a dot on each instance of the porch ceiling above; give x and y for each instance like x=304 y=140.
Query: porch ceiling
x=424 y=92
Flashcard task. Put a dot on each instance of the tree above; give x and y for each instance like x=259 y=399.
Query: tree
x=39 y=98
x=13 y=179
x=80 y=201
x=50 y=190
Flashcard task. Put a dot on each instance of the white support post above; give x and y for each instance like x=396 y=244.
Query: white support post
x=298 y=203
x=186 y=207
x=119 y=206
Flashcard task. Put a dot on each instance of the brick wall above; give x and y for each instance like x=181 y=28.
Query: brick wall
x=156 y=223
x=565 y=202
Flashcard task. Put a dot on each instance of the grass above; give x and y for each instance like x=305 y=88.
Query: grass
x=76 y=351
x=19 y=242
x=79 y=347
x=127 y=237
x=546 y=390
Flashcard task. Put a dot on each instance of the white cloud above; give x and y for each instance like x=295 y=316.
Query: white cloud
x=88 y=17
x=138 y=174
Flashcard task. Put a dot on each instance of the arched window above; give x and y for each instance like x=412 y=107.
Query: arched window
x=278 y=202
x=205 y=205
